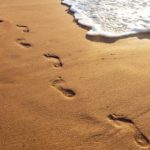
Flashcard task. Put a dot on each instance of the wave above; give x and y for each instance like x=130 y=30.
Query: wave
x=112 y=18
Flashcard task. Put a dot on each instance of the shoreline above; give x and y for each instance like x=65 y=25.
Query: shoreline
x=94 y=29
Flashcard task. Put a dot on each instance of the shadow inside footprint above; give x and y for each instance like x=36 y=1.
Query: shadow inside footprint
x=141 y=139
x=1 y=21
x=57 y=63
x=139 y=136
x=58 y=84
x=67 y=92
x=23 y=42
x=24 y=28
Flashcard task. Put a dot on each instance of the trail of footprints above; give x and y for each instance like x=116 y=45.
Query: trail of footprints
x=22 y=41
x=121 y=121
x=59 y=83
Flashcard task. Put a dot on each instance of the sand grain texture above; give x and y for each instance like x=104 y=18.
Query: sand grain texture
x=100 y=77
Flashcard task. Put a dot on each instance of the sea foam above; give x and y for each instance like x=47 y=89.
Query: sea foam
x=112 y=18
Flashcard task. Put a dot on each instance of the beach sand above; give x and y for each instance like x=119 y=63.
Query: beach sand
x=61 y=90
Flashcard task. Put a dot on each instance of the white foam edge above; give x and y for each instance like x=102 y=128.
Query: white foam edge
x=95 y=29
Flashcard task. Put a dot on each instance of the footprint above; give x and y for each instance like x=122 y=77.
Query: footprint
x=57 y=63
x=139 y=136
x=58 y=84
x=120 y=118
x=24 y=28
x=23 y=42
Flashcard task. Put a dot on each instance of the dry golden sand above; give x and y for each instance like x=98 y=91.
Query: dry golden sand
x=61 y=91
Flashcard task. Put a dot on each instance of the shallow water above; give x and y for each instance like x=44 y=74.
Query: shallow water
x=112 y=18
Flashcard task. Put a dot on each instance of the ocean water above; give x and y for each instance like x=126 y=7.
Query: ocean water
x=112 y=18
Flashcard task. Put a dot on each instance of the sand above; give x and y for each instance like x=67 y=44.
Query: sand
x=61 y=90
